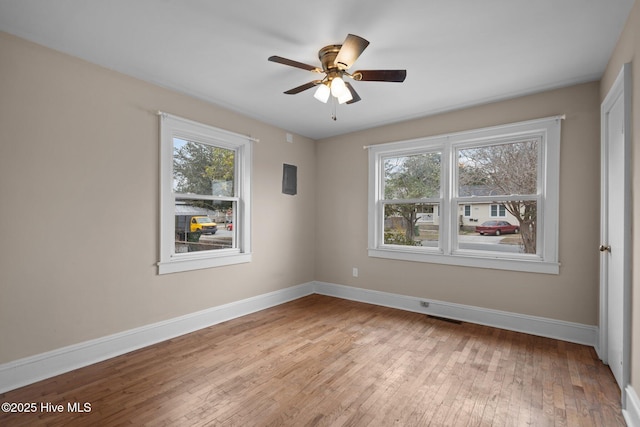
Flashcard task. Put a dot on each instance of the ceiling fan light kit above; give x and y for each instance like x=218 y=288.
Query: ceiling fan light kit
x=322 y=93
x=336 y=59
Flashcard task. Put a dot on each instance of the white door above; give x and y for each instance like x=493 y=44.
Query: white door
x=614 y=245
x=615 y=237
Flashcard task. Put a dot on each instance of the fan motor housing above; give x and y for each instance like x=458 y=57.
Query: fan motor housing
x=327 y=56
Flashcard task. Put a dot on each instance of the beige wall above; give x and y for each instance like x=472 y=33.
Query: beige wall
x=79 y=205
x=79 y=208
x=628 y=50
x=570 y=296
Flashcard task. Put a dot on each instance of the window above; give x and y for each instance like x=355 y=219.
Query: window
x=205 y=204
x=419 y=191
x=498 y=211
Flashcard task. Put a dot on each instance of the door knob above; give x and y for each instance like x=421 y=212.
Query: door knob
x=604 y=248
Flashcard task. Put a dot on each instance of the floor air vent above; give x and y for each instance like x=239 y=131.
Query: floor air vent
x=444 y=319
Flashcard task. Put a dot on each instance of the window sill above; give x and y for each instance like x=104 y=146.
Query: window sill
x=178 y=265
x=470 y=260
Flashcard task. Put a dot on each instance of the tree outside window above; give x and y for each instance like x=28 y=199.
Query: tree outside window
x=411 y=184
x=201 y=168
x=509 y=169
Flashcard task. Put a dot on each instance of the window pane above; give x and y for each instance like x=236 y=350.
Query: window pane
x=504 y=169
x=203 y=225
x=515 y=233
x=202 y=169
x=412 y=177
x=411 y=224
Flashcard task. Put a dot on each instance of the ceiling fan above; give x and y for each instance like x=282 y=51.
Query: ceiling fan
x=336 y=59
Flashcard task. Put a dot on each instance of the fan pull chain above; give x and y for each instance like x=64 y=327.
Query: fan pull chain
x=334 y=115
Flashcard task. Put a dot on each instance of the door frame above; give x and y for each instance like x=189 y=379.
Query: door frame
x=620 y=88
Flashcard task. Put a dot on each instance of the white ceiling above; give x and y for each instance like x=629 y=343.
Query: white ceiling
x=456 y=52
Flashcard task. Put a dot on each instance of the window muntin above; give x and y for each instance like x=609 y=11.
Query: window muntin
x=474 y=167
x=205 y=189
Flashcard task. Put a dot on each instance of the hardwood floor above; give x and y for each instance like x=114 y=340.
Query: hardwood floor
x=321 y=361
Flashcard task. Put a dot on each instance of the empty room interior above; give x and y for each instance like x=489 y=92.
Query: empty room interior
x=347 y=213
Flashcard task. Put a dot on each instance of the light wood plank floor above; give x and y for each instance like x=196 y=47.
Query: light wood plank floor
x=321 y=361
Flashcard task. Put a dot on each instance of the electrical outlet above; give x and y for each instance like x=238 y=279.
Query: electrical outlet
x=355 y=271
x=424 y=303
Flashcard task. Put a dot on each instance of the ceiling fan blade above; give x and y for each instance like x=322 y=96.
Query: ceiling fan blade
x=303 y=87
x=351 y=49
x=293 y=63
x=380 y=75
x=354 y=94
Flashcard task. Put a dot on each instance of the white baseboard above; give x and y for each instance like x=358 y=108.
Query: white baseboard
x=631 y=412
x=29 y=370
x=550 y=328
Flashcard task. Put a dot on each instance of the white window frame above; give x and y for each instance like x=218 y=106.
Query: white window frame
x=546 y=130
x=177 y=127
x=464 y=210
